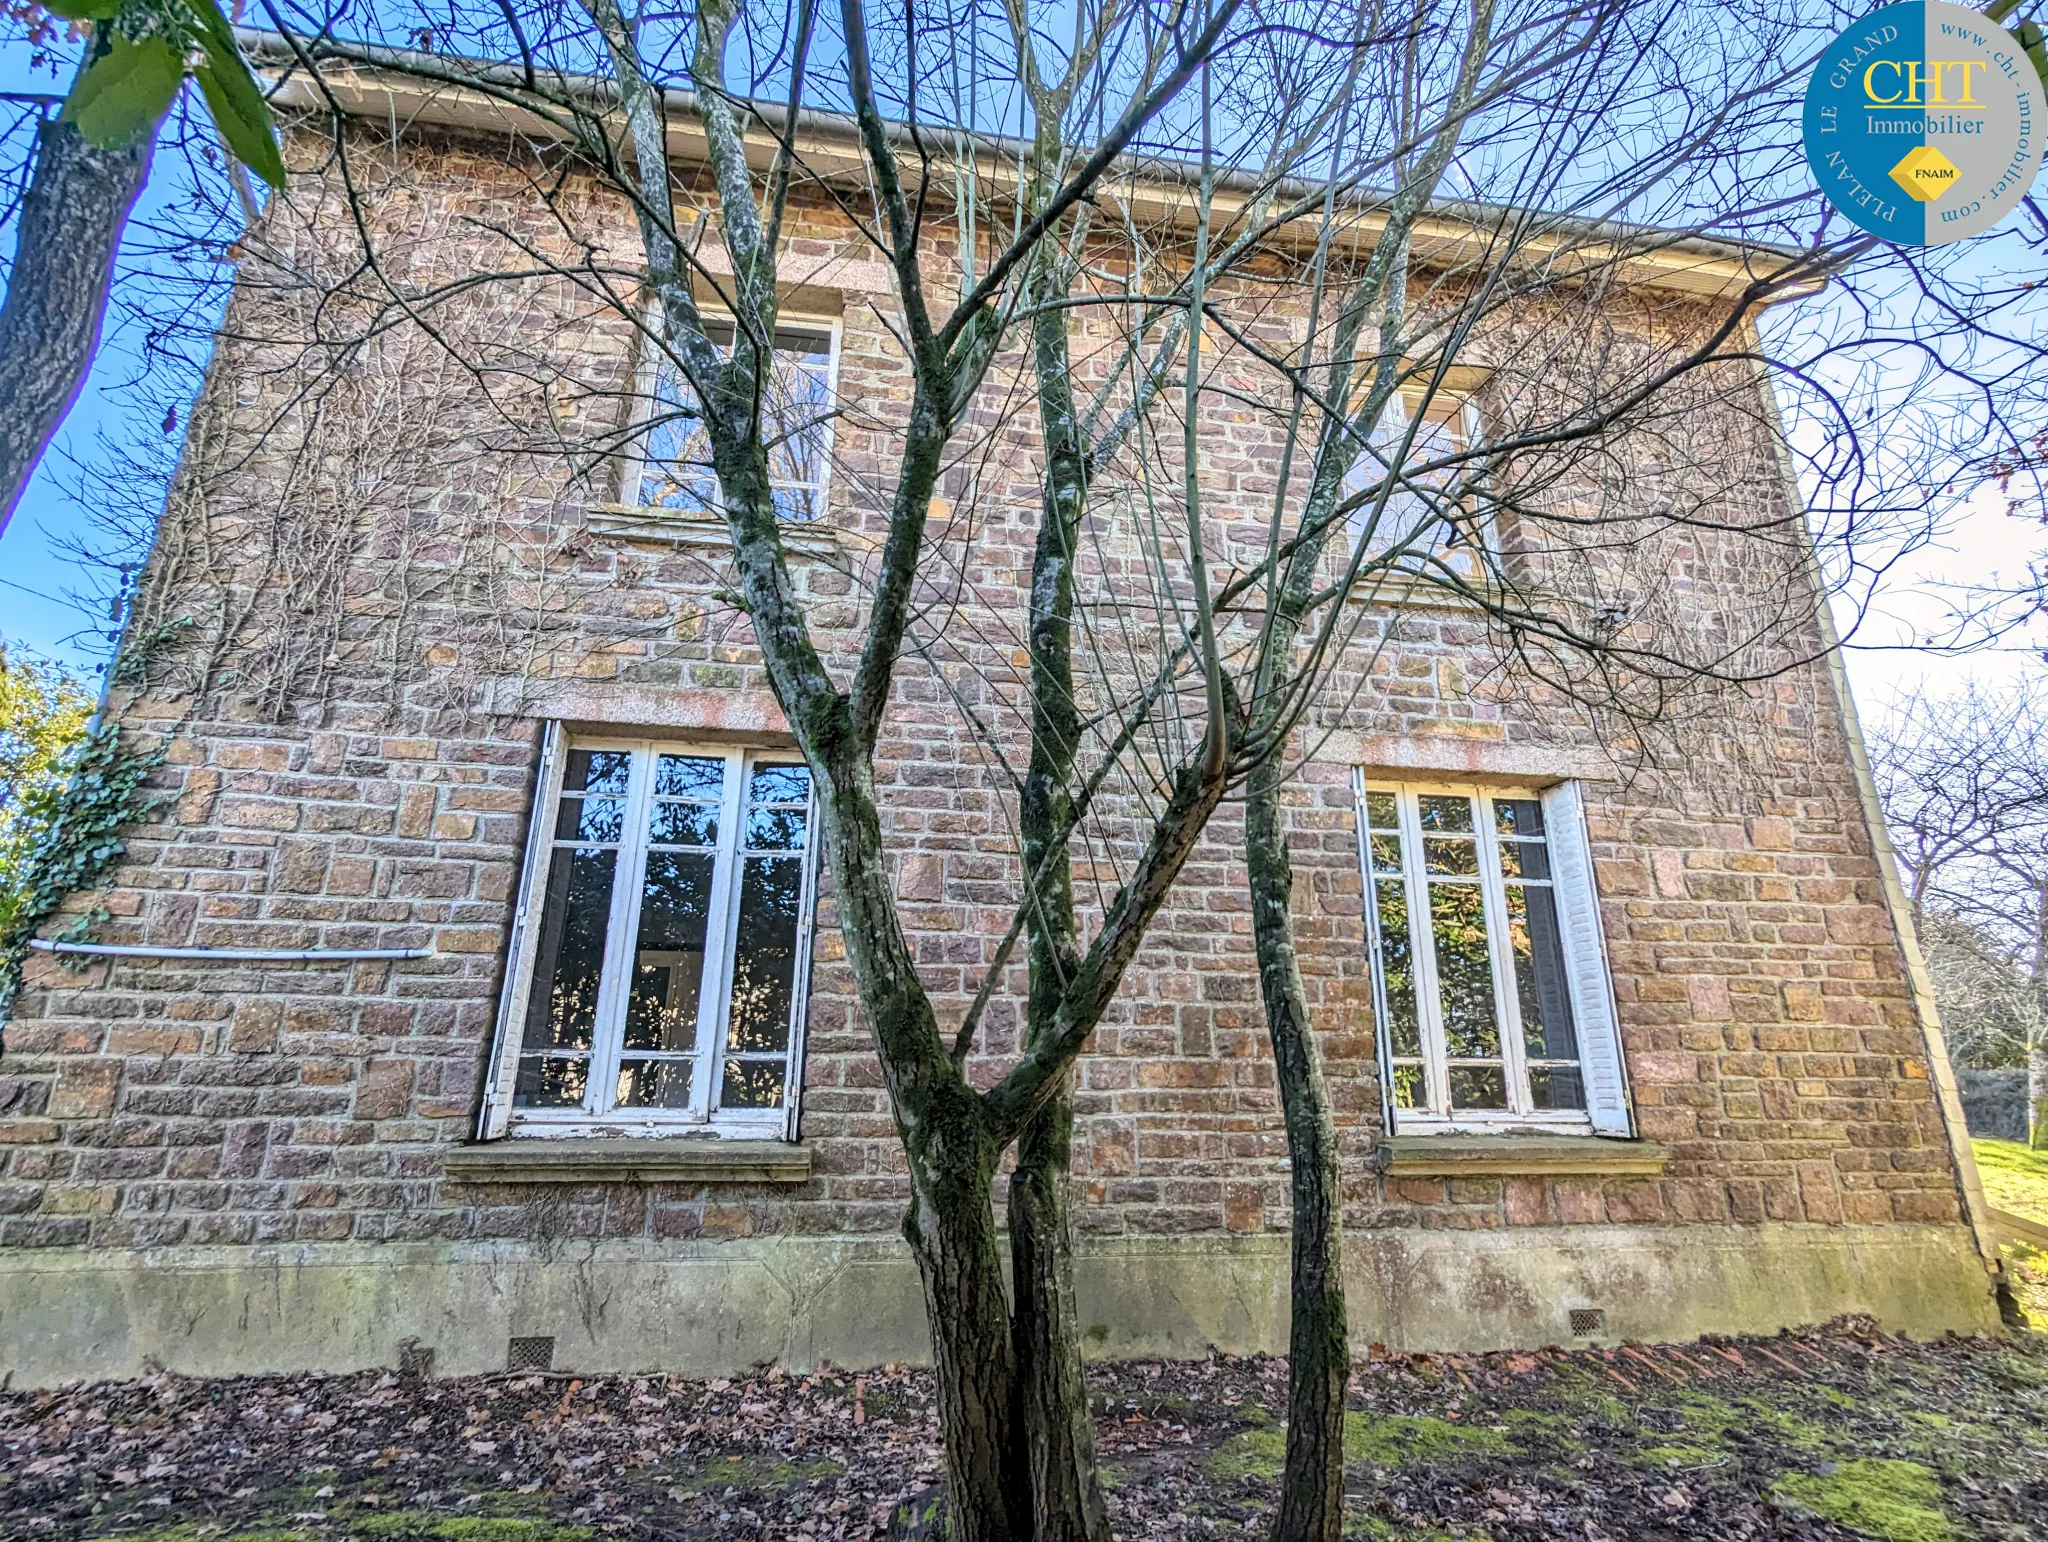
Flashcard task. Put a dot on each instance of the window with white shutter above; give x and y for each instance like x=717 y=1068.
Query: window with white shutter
x=1489 y=979
x=661 y=945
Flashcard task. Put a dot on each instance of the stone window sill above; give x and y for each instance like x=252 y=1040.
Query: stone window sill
x=668 y=527
x=1485 y=1156
x=630 y=1161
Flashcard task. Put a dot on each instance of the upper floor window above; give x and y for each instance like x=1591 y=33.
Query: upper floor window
x=663 y=942
x=673 y=467
x=1489 y=984
x=1431 y=518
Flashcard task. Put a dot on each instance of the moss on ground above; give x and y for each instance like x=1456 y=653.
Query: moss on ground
x=1384 y=1440
x=422 y=1526
x=397 y=1526
x=1393 y=1440
x=187 y=1532
x=1256 y=1453
x=1682 y=1456
x=1897 y=1501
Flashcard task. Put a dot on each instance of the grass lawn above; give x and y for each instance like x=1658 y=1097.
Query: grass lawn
x=2015 y=1178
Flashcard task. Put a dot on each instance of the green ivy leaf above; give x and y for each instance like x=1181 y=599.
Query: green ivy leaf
x=79 y=819
x=82 y=10
x=125 y=93
x=233 y=97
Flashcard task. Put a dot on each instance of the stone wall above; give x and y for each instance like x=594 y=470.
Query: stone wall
x=351 y=720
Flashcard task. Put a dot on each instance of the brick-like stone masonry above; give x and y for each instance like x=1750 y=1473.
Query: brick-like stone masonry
x=353 y=773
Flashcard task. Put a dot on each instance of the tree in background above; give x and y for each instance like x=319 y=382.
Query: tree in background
x=1964 y=782
x=1992 y=1011
x=43 y=712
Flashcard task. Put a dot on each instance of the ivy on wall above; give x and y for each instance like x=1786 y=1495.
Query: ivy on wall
x=77 y=818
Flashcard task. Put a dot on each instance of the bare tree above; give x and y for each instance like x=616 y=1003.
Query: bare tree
x=1992 y=1009
x=1965 y=788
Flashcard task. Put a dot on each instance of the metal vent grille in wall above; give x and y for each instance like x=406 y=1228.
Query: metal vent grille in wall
x=1587 y=1321
x=530 y=1354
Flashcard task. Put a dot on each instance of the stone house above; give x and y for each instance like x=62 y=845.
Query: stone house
x=571 y=1071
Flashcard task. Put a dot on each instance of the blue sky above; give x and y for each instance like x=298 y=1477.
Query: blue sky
x=40 y=581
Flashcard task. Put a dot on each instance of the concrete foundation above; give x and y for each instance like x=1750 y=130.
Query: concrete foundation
x=714 y=1308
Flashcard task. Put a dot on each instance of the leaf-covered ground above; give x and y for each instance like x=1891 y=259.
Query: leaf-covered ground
x=1837 y=1434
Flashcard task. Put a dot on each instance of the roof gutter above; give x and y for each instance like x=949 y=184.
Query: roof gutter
x=409 y=87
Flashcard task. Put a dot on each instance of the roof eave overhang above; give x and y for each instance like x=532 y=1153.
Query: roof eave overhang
x=828 y=145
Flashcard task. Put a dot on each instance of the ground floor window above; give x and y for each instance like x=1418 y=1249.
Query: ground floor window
x=662 y=942
x=1490 y=987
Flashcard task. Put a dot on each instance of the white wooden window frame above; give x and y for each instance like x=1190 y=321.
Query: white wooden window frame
x=1369 y=468
x=499 y=1116
x=1594 y=1018
x=646 y=374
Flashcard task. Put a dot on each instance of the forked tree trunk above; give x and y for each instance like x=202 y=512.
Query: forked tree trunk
x=950 y=1147
x=1319 y=1340
x=1052 y=1386
x=951 y=1228
x=72 y=217
x=952 y=1135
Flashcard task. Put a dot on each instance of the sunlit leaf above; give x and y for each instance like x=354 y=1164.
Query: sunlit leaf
x=233 y=97
x=243 y=118
x=122 y=97
x=82 y=10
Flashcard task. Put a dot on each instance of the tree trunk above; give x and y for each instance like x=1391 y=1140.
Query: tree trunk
x=947 y=1137
x=1319 y=1340
x=1052 y=1387
x=951 y=1228
x=2037 y=1094
x=2037 y=1051
x=72 y=217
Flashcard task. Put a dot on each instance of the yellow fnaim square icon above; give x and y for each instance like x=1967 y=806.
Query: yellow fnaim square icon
x=1925 y=173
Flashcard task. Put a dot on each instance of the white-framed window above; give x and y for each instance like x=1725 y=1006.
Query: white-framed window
x=1433 y=519
x=661 y=947
x=1490 y=983
x=670 y=467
